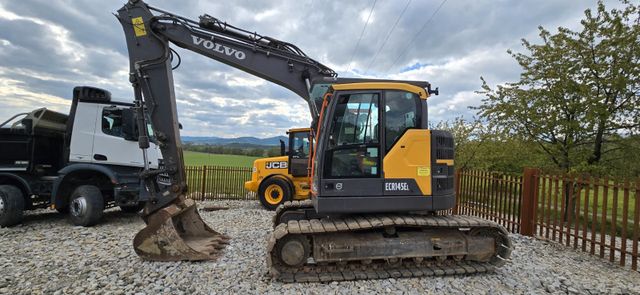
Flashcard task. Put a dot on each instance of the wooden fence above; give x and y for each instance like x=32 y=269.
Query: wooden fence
x=598 y=216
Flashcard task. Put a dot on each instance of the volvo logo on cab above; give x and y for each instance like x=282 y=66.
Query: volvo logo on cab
x=208 y=44
x=396 y=186
x=276 y=165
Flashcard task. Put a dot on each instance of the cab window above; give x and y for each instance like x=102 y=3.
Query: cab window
x=353 y=141
x=112 y=122
x=356 y=120
x=300 y=146
x=401 y=112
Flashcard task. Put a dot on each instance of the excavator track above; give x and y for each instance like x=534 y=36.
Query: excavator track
x=295 y=238
x=289 y=206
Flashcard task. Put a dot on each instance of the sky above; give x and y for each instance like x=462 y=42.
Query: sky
x=48 y=47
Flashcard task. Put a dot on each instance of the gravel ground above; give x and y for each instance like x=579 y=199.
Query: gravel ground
x=47 y=255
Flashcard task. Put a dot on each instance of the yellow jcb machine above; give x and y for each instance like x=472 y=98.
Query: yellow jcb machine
x=285 y=178
x=378 y=173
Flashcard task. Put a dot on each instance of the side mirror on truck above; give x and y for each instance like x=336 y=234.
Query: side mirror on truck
x=129 y=126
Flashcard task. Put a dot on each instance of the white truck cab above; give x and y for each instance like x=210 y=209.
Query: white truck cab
x=98 y=137
x=81 y=162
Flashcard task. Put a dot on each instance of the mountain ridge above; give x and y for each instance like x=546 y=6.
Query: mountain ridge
x=215 y=140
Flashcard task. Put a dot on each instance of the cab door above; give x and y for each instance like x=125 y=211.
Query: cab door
x=109 y=144
x=407 y=151
x=299 y=149
x=351 y=158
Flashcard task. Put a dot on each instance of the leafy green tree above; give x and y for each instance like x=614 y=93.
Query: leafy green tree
x=273 y=152
x=467 y=139
x=578 y=90
x=480 y=148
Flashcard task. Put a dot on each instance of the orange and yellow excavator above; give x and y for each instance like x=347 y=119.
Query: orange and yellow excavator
x=378 y=173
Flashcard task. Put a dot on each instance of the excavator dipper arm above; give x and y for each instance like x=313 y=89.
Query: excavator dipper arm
x=174 y=229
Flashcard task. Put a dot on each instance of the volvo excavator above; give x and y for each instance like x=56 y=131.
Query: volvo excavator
x=378 y=174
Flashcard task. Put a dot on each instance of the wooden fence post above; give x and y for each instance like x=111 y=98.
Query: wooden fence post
x=203 y=184
x=529 y=205
x=456 y=181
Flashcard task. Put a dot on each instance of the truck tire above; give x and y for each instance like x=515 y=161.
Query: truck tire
x=273 y=192
x=86 y=205
x=11 y=205
x=132 y=209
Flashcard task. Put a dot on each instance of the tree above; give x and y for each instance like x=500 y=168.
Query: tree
x=466 y=136
x=478 y=147
x=578 y=90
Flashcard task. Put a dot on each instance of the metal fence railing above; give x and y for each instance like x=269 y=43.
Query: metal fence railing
x=218 y=182
x=490 y=195
x=598 y=216
x=595 y=215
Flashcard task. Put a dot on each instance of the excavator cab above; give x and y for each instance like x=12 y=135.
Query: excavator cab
x=375 y=152
x=379 y=174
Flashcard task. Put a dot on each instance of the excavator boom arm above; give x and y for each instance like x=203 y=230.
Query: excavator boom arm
x=149 y=31
x=274 y=61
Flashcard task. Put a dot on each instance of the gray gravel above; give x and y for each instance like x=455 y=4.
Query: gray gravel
x=47 y=255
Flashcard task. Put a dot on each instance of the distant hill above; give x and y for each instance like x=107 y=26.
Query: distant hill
x=248 y=140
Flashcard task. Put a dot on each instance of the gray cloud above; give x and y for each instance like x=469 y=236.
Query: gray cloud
x=48 y=47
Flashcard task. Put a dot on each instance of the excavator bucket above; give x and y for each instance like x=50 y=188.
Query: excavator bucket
x=177 y=232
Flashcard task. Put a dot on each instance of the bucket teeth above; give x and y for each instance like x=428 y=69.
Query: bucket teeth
x=177 y=232
x=503 y=259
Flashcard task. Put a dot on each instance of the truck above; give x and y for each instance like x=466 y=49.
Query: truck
x=79 y=163
x=285 y=178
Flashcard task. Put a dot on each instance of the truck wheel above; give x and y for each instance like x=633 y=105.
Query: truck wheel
x=132 y=209
x=273 y=192
x=86 y=205
x=11 y=205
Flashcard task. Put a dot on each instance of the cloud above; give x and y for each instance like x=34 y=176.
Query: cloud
x=48 y=47
x=18 y=98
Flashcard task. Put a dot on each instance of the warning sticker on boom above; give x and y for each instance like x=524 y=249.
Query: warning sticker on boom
x=138 y=26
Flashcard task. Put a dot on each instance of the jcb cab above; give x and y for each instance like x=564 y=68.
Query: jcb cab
x=284 y=178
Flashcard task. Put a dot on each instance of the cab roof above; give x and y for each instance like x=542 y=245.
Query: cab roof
x=420 y=91
x=298 y=130
x=335 y=80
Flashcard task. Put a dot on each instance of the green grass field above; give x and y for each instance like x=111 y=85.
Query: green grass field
x=202 y=159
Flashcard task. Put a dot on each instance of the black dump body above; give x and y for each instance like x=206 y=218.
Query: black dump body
x=34 y=144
